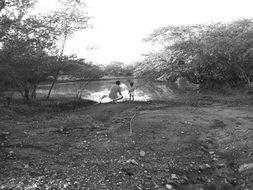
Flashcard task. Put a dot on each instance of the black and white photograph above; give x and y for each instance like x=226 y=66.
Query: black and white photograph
x=126 y=95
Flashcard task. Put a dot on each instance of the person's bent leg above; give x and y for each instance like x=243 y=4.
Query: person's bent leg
x=118 y=98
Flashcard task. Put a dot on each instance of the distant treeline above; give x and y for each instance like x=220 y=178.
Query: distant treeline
x=117 y=68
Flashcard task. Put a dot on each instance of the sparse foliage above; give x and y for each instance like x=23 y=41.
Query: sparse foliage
x=12 y=12
x=70 y=18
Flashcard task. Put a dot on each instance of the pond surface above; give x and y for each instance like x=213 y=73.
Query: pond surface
x=94 y=90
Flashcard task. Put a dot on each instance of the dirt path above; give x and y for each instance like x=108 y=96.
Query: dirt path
x=173 y=146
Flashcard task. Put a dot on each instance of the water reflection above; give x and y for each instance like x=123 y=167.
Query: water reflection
x=94 y=90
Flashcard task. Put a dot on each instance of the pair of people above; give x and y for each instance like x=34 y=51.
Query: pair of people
x=115 y=93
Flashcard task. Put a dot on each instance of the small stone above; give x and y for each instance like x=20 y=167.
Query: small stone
x=132 y=161
x=11 y=152
x=204 y=166
x=142 y=153
x=26 y=166
x=5 y=133
x=245 y=167
x=211 y=152
x=185 y=177
x=174 y=176
x=221 y=164
x=207 y=165
x=168 y=186
x=149 y=176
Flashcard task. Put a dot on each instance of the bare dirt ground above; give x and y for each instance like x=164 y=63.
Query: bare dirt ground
x=196 y=144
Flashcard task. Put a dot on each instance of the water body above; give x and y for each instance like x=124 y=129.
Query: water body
x=94 y=90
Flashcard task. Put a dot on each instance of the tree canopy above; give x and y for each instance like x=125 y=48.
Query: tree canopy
x=219 y=53
x=30 y=50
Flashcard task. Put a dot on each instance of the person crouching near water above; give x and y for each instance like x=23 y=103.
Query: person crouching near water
x=115 y=93
x=131 y=91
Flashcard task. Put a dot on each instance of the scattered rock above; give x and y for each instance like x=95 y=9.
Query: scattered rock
x=186 y=122
x=132 y=161
x=245 y=167
x=63 y=130
x=174 y=176
x=168 y=186
x=142 y=153
x=204 y=166
x=207 y=165
x=221 y=164
x=119 y=183
x=5 y=133
x=148 y=176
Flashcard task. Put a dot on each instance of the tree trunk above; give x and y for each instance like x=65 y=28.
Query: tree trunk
x=52 y=85
x=33 y=94
x=59 y=61
x=26 y=95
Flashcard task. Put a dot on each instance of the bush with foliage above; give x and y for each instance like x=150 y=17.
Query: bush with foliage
x=30 y=52
x=220 y=53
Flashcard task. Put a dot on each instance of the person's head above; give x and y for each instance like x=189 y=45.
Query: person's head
x=118 y=82
x=131 y=83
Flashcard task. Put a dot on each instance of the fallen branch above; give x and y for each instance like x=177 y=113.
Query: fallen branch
x=131 y=121
x=130 y=127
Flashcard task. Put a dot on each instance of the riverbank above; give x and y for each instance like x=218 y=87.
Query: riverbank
x=193 y=142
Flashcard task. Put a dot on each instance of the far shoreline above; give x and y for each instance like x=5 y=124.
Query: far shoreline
x=87 y=80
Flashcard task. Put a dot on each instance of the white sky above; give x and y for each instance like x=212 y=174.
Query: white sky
x=120 y=25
